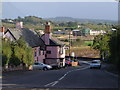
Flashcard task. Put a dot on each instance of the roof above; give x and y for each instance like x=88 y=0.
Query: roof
x=55 y=41
x=30 y=37
x=75 y=30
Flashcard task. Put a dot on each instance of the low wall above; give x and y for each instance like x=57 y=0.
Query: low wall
x=12 y=68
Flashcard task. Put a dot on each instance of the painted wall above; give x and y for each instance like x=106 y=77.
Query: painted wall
x=97 y=32
x=46 y=38
x=54 y=51
x=62 y=54
x=9 y=36
x=39 y=55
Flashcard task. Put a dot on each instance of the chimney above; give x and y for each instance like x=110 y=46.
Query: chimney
x=47 y=33
x=2 y=30
x=19 y=25
x=47 y=28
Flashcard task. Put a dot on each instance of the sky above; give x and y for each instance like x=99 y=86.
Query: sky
x=83 y=10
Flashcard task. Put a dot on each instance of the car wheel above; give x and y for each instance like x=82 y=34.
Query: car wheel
x=45 y=68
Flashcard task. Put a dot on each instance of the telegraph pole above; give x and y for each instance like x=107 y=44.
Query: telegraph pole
x=69 y=44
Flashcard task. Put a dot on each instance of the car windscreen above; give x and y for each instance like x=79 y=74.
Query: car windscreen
x=94 y=62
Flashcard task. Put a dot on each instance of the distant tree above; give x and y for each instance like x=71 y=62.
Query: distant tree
x=71 y=24
x=77 y=40
x=99 y=24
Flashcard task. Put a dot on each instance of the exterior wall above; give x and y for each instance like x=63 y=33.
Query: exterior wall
x=56 y=56
x=52 y=61
x=39 y=55
x=85 y=32
x=47 y=37
x=97 y=32
x=19 y=25
x=62 y=54
x=54 y=51
x=77 y=33
x=9 y=36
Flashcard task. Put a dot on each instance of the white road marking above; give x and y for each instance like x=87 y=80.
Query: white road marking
x=57 y=81
x=50 y=83
x=111 y=74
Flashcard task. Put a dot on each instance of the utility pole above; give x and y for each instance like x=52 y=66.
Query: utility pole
x=69 y=44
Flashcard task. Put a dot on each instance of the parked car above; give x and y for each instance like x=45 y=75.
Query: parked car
x=68 y=62
x=41 y=66
x=95 y=64
x=97 y=61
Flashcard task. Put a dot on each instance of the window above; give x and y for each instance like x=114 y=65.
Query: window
x=48 y=52
x=43 y=52
x=35 y=54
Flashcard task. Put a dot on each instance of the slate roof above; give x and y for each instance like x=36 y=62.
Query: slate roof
x=31 y=37
x=55 y=42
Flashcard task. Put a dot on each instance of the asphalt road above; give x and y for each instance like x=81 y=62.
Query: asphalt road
x=71 y=77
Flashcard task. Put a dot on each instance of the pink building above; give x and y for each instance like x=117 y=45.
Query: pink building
x=55 y=50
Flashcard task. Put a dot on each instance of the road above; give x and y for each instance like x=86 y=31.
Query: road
x=70 y=77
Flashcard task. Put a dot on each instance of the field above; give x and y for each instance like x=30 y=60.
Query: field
x=80 y=45
x=85 y=51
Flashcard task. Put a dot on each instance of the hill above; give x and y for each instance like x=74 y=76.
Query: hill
x=69 y=19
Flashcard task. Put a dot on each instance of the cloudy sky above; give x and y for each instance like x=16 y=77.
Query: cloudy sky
x=85 y=10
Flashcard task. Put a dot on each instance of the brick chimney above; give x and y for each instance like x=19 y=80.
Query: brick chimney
x=2 y=30
x=47 y=33
x=47 y=28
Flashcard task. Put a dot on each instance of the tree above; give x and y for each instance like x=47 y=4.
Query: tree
x=6 y=52
x=30 y=56
x=23 y=52
x=101 y=43
x=16 y=52
x=115 y=46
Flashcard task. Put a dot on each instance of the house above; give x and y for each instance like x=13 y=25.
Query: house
x=82 y=32
x=64 y=32
x=19 y=25
x=31 y=38
x=97 y=32
x=46 y=49
x=86 y=32
x=55 y=50
x=76 y=33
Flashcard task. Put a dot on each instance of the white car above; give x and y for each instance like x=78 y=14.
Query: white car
x=95 y=64
x=41 y=66
x=97 y=61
